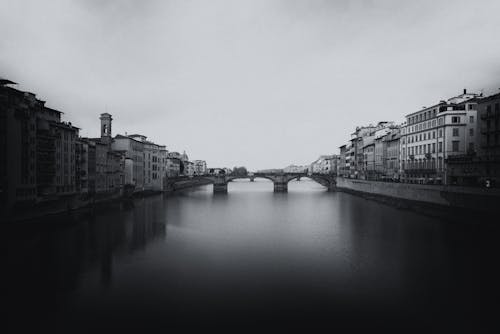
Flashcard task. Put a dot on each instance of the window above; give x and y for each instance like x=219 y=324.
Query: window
x=428 y=148
x=455 y=119
x=440 y=147
x=454 y=145
x=471 y=119
x=440 y=121
x=455 y=132
x=471 y=132
x=440 y=133
x=433 y=147
x=433 y=134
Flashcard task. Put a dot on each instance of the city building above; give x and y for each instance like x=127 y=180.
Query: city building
x=361 y=147
x=435 y=134
x=153 y=166
x=105 y=166
x=189 y=168
x=38 y=149
x=184 y=157
x=368 y=166
x=480 y=167
x=200 y=167
x=174 y=164
x=392 y=155
x=86 y=165
x=18 y=115
x=295 y=169
x=341 y=165
x=325 y=164
x=133 y=148
x=489 y=150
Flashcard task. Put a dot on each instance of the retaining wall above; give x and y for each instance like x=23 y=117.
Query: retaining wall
x=481 y=199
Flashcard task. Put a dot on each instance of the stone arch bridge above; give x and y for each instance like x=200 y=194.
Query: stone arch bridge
x=280 y=180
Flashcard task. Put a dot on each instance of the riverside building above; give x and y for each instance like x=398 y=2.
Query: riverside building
x=434 y=134
x=38 y=150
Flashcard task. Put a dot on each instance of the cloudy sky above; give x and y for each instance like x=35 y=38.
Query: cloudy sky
x=255 y=83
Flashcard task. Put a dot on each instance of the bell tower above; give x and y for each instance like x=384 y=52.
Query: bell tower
x=106 y=126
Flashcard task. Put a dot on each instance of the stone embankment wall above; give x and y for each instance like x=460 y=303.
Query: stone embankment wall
x=477 y=199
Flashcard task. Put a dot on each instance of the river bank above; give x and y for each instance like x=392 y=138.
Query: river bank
x=75 y=203
x=435 y=200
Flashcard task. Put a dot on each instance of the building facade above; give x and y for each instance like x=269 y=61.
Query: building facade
x=133 y=149
x=325 y=164
x=480 y=167
x=433 y=135
x=174 y=164
x=38 y=150
x=200 y=167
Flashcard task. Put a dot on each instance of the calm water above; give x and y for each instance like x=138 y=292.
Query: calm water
x=252 y=257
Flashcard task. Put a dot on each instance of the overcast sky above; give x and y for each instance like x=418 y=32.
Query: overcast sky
x=255 y=83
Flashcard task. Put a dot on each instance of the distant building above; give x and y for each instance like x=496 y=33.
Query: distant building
x=368 y=167
x=174 y=164
x=189 y=168
x=341 y=165
x=133 y=148
x=295 y=169
x=106 y=166
x=325 y=164
x=153 y=173
x=363 y=145
x=216 y=171
x=391 y=155
x=184 y=157
x=163 y=165
x=200 y=167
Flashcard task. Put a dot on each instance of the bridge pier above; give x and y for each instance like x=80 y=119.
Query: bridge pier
x=280 y=183
x=220 y=185
x=280 y=187
x=220 y=188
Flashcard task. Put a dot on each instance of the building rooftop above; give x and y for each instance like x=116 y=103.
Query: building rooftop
x=4 y=81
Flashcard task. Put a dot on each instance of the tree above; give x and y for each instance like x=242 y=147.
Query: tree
x=240 y=171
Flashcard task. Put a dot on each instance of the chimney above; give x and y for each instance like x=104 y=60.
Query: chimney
x=465 y=91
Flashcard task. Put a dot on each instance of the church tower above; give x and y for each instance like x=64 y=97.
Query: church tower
x=106 y=127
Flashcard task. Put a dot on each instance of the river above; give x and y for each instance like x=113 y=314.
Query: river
x=249 y=258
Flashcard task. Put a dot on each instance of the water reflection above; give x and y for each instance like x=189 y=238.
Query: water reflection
x=252 y=257
x=47 y=258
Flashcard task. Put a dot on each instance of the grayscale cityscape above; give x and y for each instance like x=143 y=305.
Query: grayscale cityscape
x=250 y=165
